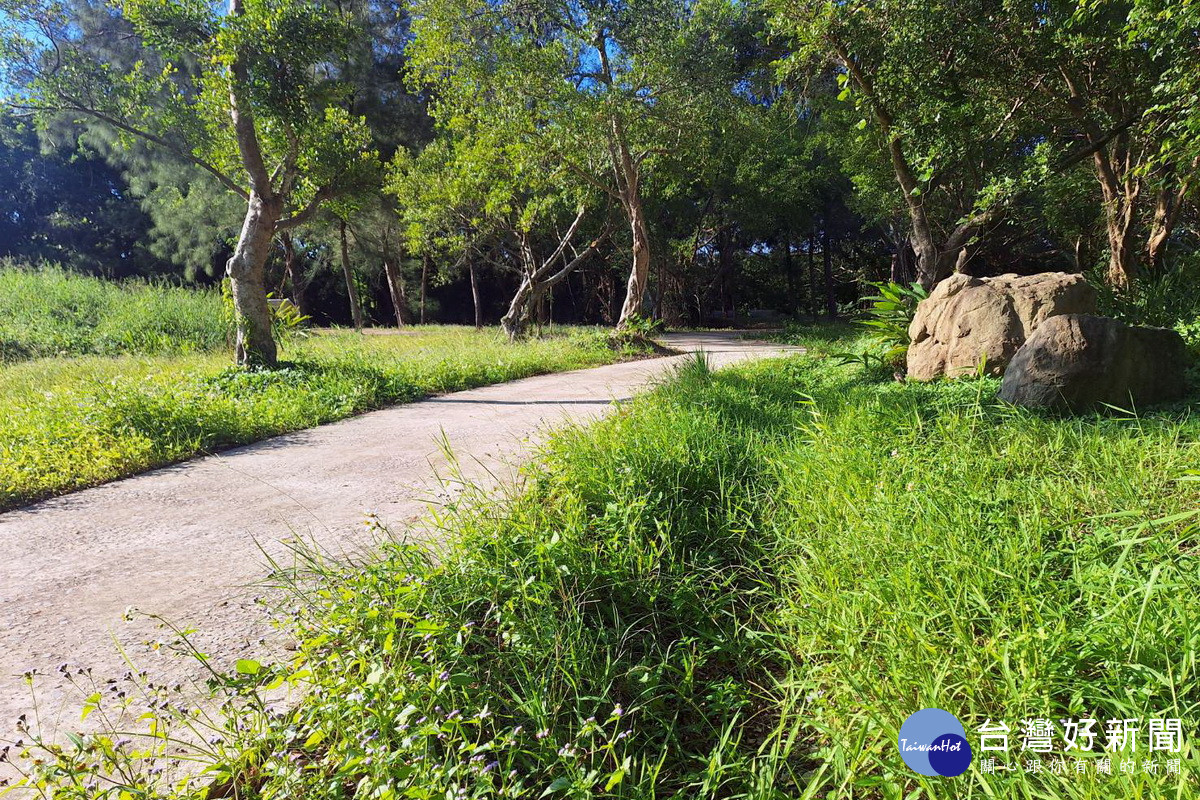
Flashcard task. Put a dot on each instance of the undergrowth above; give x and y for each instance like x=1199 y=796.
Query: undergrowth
x=738 y=586
x=45 y=311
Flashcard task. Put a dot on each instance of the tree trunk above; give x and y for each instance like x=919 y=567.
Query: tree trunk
x=539 y=279
x=902 y=272
x=1119 y=219
x=813 y=306
x=351 y=289
x=515 y=322
x=475 y=295
x=291 y=273
x=424 y=283
x=255 y=342
x=1122 y=256
x=1166 y=213
x=396 y=289
x=1118 y=187
x=639 y=274
x=725 y=270
x=827 y=255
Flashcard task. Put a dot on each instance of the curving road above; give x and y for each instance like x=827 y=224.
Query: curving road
x=188 y=542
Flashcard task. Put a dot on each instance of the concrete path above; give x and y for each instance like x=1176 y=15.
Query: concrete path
x=184 y=541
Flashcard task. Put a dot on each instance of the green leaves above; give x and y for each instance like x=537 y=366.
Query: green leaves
x=176 y=94
x=247 y=666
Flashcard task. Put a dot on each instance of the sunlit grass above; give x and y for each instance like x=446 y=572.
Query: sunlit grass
x=67 y=422
x=45 y=311
x=740 y=586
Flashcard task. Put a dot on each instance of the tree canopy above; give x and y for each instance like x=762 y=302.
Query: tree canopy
x=681 y=160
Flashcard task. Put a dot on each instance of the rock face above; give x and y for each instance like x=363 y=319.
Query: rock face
x=1080 y=362
x=968 y=320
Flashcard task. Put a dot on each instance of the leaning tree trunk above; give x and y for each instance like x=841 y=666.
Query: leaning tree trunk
x=395 y=283
x=351 y=289
x=515 y=322
x=255 y=343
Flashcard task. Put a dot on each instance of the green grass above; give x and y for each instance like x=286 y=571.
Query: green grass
x=740 y=586
x=45 y=311
x=67 y=423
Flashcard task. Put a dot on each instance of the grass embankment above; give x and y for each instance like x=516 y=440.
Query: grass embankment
x=739 y=587
x=73 y=421
x=47 y=312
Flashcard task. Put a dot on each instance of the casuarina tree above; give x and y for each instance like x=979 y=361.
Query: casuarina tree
x=241 y=92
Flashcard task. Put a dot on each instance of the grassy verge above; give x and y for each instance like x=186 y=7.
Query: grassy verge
x=47 y=312
x=739 y=587
x=67 y=423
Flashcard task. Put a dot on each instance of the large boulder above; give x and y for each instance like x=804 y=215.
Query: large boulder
x=1079 y=362
x=967 y=321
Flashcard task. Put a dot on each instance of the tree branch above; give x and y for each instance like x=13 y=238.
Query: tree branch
x=78 y=108
x=305 y=214
x=1095 y=144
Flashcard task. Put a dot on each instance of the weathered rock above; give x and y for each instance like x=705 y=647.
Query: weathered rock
x=967 y=321
x=1080 y=362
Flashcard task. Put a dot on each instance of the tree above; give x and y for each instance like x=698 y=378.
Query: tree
x=1096 y=78
x=609 y=91
x=1168 y=33
x=68 y=207
x=471 y=199
x=928 y=84
x=240 y=95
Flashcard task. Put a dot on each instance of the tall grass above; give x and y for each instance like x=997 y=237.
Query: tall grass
x=45 y=311
x=67 y=423
x=739 y=587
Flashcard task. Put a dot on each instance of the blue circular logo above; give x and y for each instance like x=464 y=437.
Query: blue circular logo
x=934 y=742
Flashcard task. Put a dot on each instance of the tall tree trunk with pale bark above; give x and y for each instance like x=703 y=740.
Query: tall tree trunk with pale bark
x=630 y=194
x=639 y=274
x=395 y=283
x=255 y=342
x=351 y=287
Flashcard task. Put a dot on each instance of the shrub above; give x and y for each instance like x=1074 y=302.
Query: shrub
x=888 y=317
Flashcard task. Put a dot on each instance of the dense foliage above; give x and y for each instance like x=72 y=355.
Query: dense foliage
x=719 y=157
x=48 y=312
